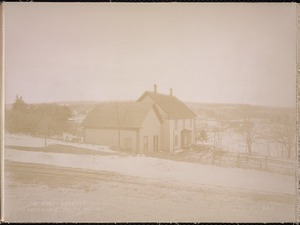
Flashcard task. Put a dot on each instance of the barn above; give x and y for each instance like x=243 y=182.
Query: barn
x=128 y=126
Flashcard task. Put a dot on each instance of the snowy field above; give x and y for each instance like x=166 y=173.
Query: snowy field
x=136 y=184
x=233 y=142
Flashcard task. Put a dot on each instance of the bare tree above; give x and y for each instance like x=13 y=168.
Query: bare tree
x=284 y=134
x=218 y=131
x=247 y=131
x=217 y=138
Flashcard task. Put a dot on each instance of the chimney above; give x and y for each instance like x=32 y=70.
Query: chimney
x=155 y=88
x=171 y=92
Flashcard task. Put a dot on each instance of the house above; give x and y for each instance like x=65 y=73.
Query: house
x=155 y=122
x=178 y=128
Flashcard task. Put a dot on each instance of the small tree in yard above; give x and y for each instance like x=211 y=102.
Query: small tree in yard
x=247 y=131
x=202 y=135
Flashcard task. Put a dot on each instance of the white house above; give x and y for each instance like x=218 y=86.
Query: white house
x=155 y=122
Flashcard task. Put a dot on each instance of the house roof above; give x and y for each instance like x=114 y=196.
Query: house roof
x=174 y=108
x=119 y=115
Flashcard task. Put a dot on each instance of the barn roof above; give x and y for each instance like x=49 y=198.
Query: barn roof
x=119 y=115
x=174 y=108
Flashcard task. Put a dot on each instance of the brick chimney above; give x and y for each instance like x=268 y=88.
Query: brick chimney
x=171 y=92
x=155 y=88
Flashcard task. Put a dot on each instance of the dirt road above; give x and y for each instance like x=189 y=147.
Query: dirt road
x=35 y=192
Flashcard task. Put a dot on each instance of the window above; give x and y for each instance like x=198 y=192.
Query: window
x=191 y=123
x=176 y=140
x=145 y=143
x=183 y=124
x=176 y=124
x=155 y=143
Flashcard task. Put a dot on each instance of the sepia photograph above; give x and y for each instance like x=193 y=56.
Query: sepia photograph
x=149 y=112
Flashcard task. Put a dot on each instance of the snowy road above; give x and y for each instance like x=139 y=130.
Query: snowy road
x=36 y=192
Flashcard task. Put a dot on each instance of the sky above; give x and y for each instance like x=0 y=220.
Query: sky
x=237 y=53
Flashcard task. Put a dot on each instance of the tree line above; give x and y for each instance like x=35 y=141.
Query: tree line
x=37 y=119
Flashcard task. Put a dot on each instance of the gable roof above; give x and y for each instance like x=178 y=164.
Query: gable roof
x=119 y=115
x=174 y=108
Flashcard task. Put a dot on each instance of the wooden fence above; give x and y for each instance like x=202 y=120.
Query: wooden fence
x=242 y=160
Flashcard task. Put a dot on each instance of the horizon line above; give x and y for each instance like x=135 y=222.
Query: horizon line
x=130 y=100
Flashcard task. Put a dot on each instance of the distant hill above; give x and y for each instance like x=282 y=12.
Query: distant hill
x=203 y=110
x=238 y=111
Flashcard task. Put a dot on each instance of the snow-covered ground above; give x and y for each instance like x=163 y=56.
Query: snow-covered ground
x=147 y=188
x=55 y=194
x=146 y=167
x=30 y=141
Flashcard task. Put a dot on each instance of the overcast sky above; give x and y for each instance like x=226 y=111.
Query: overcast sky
x=219 y=53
